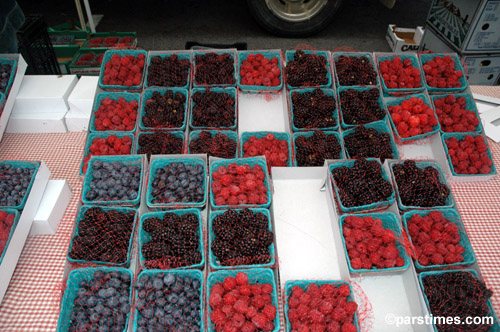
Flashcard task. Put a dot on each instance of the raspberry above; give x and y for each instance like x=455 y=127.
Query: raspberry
x=218 y=317
x=269 y=311
x=391 y=252
x=339 y=314
x=229 y=283
x=241 y=278
x=260 y=320
x=215 y=299
x=349 y=328
x=248 y=327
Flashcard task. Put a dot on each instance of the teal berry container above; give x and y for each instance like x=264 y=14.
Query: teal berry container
x=470 y=105
x=231 y=91
x=460 y=137
x=148 y=94
x=215 y=263
x=397 y=102
x=255 y=276
x=280 y=136
x=335 y=111
x=243 y=55
x=390 y=222
x=12 y=230
x=160 y=163
x=289 y=285
x=424 y=58
x=145 y=237
x=232 y=135
x=289 y=56
x=421 y=277
x=13 y=64
x=71 y=293
x=359 y=55
x=182 y=56
x=232 y=54
x=129 y=97
x=452 y=216
x=175 y=133
x=450 y=202
x=365 y=208
x=27 y=165
x=309 y=134
x=380 y=127
x=81 y=213
x=252 y=162
x=380 y=100
x=401 y=91
x=107 y=58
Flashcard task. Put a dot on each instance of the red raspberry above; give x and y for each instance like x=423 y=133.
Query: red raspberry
x=391 y=252
x=241 y=278
x=348 y=327
x=339 y=314
x=214 y=300
x=260 y=320
x=351 y=308
x=344 y=290
x=218 y=317
x=248 y=327
x=229 y=283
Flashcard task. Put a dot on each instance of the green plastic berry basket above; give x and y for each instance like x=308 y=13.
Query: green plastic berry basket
x=367 y=55
x=175 y=133
x=496 y=325
x=13 y=63
x=309 y=134
x=397 y=102
x=326 y=92
x=380 y=127
x=12 y=230
x=289 y=285
x=460 y=137
x=127 y=160
x=164 y=162
x=103 y=134
x=76 y=232
x=191 y=274
x=424 y=58
x=452 y=216
x=71 y=292
x=148 y=94
x=289 y=55
x=145 y=237
x=129 y=97
x=255 y=276
x=389 y=221
x=401 y=91
x=215 y=263
x=232 y=53
x=252 y=162
x=470 y=105
x=231 y=91
x=365 y=208
x=2 y=102
x=450 y=201
x=232 y=135
x=359 y=89
x=281 y=136
x=107 y=57
x=31 y=165
x=182 y=56
x=243 y=55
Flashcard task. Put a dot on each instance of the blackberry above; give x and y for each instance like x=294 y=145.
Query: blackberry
x=216 y=145
x=213 y=109
x=165 y=111
x=169 y=71
x=360 y=107
x=307 y=70
x=313 y=109
x=353 y=70
x=214 y=69
x=315 y=149
x=159 y=143
x=367 y=142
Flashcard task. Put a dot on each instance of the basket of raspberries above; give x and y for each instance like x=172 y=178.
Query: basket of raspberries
x=400 y=74
x=275 y=146
x=443 y=73
x=115 y=111
x=457 y=113
x=260 y=71
x=373 y=243
x=122 y=70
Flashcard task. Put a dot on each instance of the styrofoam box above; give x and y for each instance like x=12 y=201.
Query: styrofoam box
x=44 y=94
x=309 y=246
x=54 y=202
x=13 y=251
x=37 y=123
x=82 y=97
x=9 y=103
x=397 y=42
x=481 y=69
x=76 y=121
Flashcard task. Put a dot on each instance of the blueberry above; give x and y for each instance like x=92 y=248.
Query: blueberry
x=172 y=297
x=94 y=317
x=148 y=312
x=158 y=283
x=125 y=308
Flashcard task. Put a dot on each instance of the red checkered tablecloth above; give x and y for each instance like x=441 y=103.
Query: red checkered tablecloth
x=33 y=297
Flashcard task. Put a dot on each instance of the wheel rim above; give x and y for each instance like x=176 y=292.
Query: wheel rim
x=295 y=10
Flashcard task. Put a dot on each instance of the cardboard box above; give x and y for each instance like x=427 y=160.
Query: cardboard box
x=482 y=69
x=37 y=123
x=44 y=94
x=76 y=121
x=11 y=99
x=404 y=39
x=52 y=207
x=13 y=251
x=470 y=26
x=81 y=99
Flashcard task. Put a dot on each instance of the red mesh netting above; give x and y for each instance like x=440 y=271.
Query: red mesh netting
x=168 y=71
x=173 y=241
x=103 y=236
x=366 y=317
x=457 y=294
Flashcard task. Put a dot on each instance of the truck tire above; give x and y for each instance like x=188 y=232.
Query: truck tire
x=293 y=18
